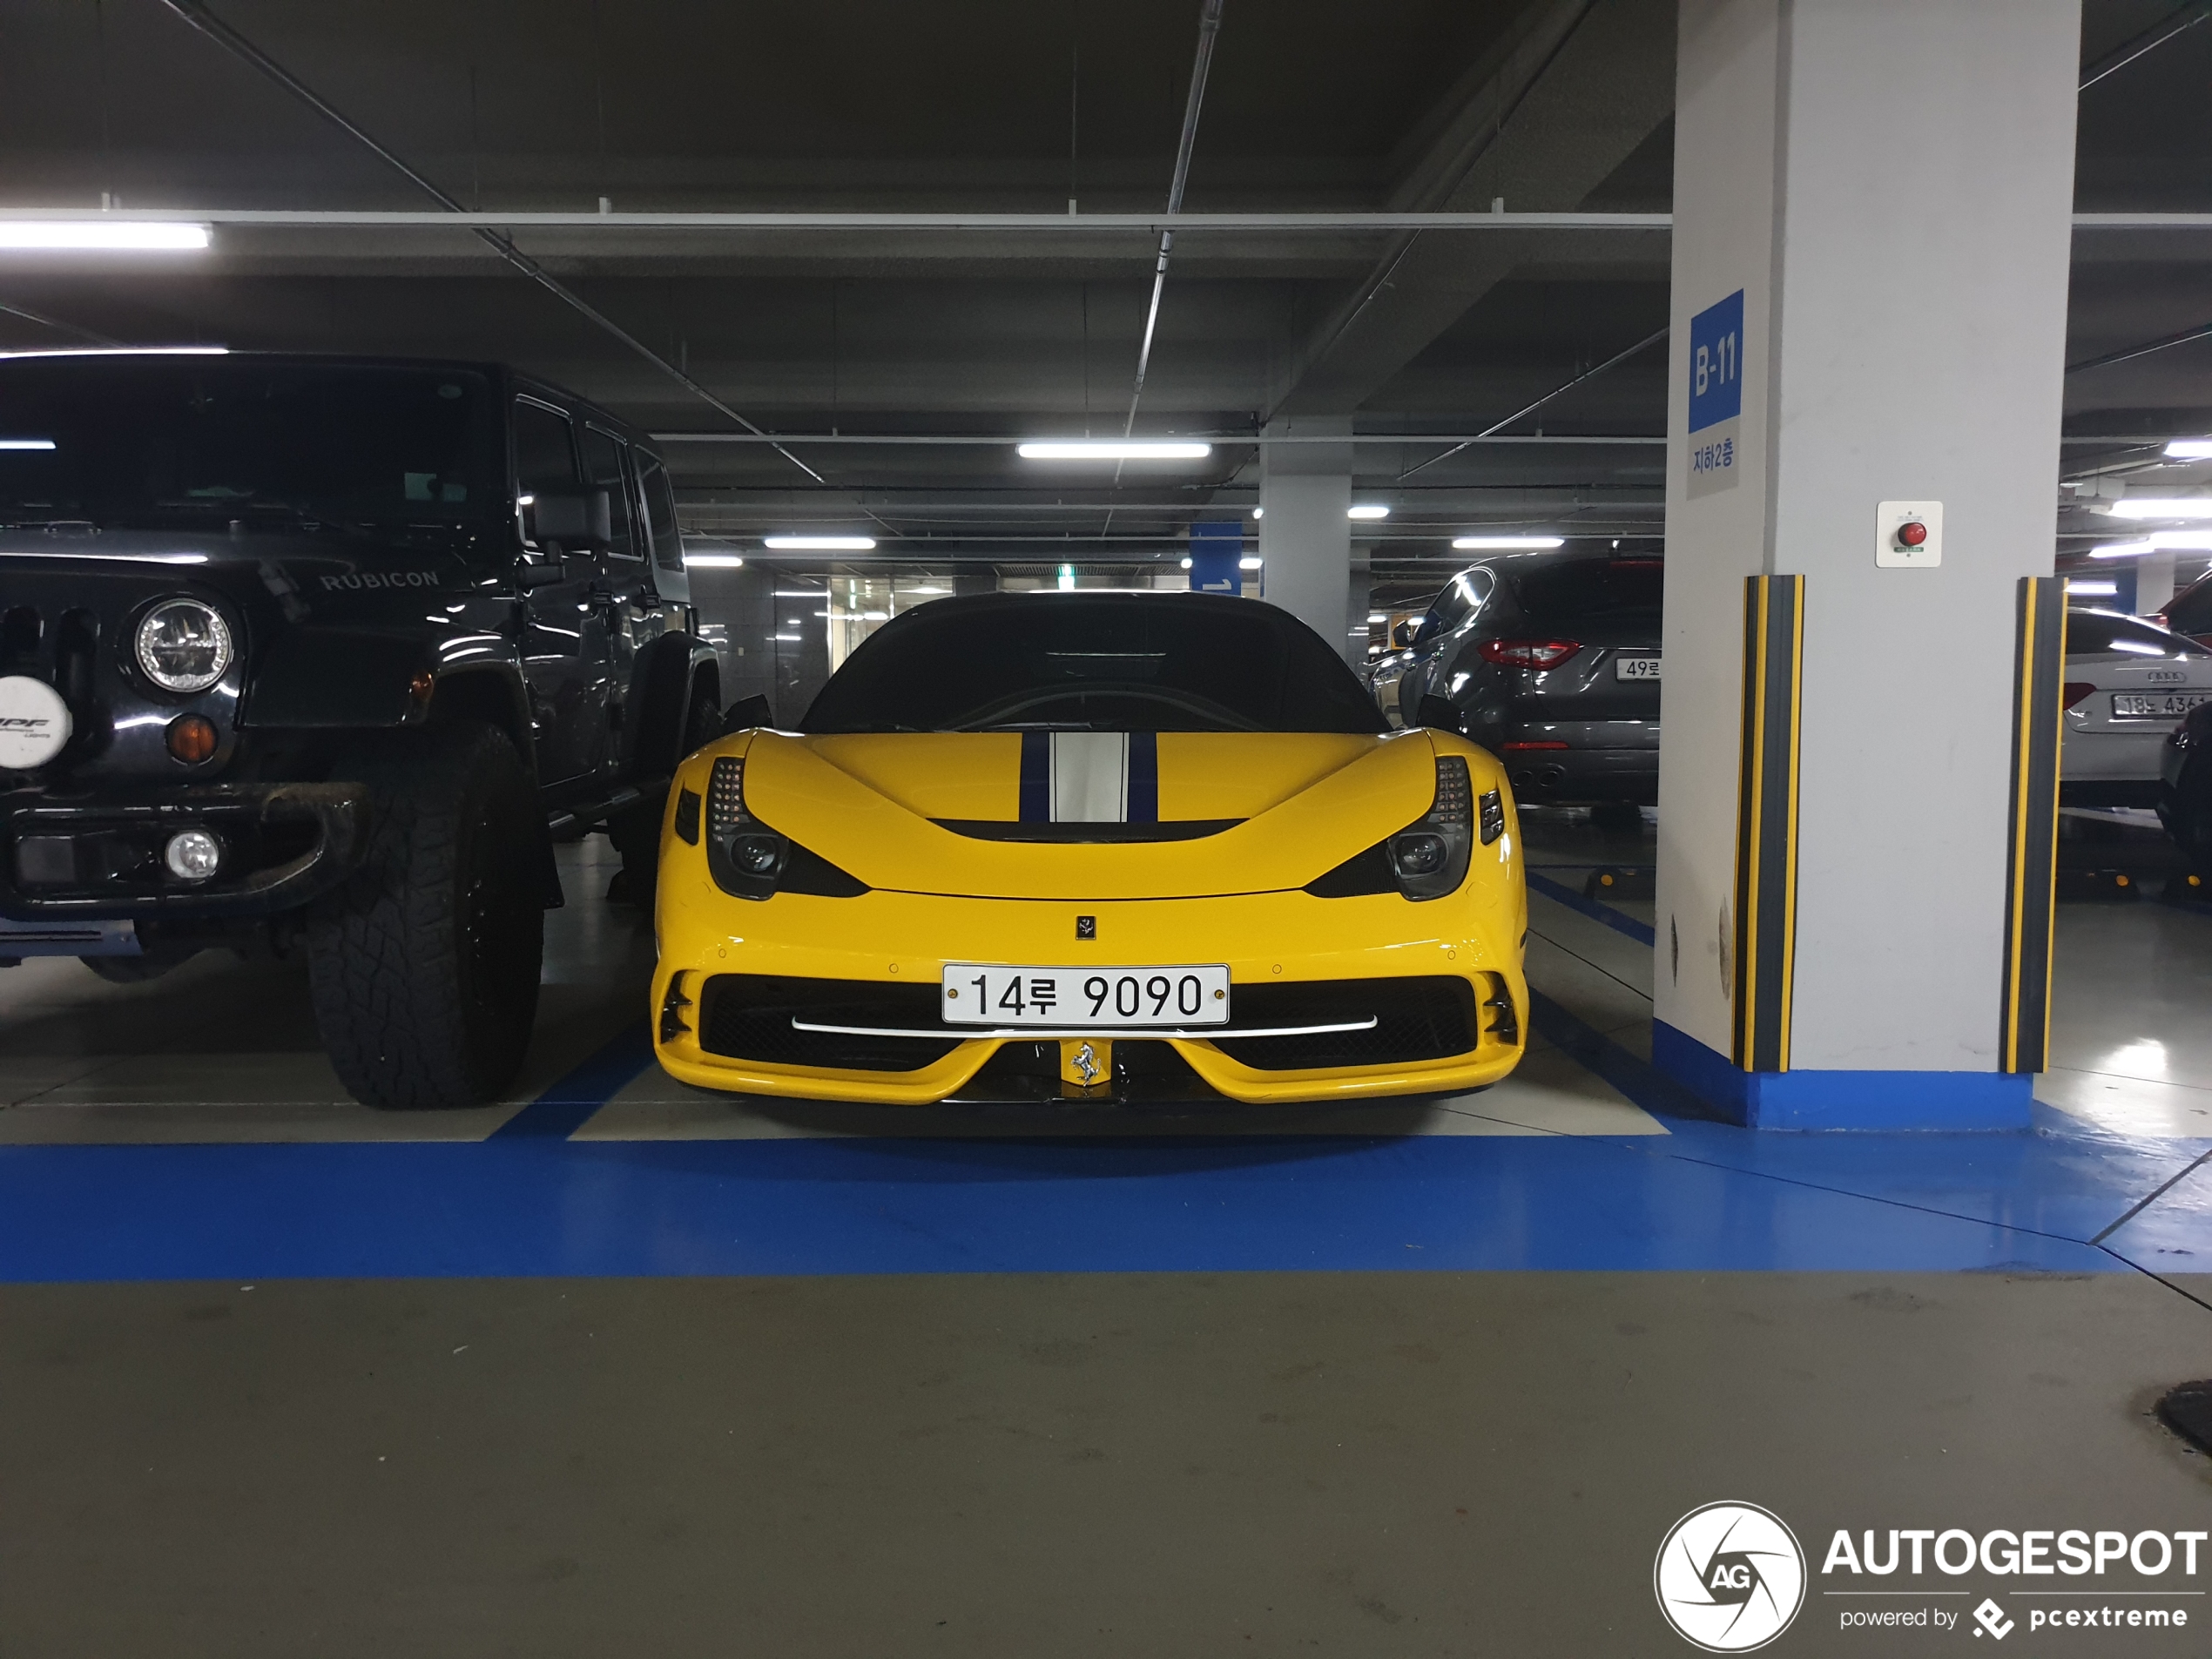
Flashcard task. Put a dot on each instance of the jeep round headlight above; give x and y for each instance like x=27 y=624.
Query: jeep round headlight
x=183 y=646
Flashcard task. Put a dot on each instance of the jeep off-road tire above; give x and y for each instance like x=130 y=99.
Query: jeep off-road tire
x=424 y=965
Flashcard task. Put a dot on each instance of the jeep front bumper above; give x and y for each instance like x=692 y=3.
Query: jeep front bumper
x=101 y=858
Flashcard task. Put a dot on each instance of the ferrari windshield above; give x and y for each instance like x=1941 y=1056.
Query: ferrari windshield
x=164 y=442
x=1094 y=662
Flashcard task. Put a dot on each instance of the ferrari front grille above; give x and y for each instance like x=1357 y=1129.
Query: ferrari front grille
x=748 y=1016
x=1429 y=1017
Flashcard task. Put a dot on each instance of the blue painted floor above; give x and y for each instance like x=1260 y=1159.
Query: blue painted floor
x=1502 y=1180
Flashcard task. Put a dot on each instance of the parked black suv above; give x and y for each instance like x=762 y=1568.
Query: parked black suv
x=1550 y=661
x=323 y=654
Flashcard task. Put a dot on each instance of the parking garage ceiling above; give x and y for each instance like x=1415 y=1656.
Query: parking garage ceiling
x=855 y=331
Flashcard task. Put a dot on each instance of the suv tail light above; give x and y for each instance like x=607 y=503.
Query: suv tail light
x=1528 y=653
x=2074 y=692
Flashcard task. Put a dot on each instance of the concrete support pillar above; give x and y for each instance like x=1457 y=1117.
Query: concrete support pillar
x=1870 y=244
x=2154 y=581
x=1305 y=538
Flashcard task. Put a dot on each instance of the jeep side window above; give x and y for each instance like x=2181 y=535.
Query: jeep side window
x=660 y=512
x=603 y=467
x=545 y=454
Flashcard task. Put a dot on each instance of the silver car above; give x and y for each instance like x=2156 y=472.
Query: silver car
x=2128 y=684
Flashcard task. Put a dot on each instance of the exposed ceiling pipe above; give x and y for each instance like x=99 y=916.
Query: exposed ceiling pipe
x=2144 y=349
x=1209 y=27
x=1358 y=221
x=58 y=326
x=239 y=46
x=2181 y=17
x=1490 y=432
x=1440 y=190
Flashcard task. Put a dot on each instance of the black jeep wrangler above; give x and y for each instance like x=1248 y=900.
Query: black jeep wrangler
x=323 y=654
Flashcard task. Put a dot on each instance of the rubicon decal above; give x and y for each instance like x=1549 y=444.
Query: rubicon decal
x=357 y=580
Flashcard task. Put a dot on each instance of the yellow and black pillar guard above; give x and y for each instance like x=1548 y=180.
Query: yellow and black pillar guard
x=1766 y=823
x=2030 y=876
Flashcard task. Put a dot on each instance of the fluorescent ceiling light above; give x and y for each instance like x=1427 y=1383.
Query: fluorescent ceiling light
x=1115 y=449
x=1248 y=564
x=1465 y=542
x=125 y=351
x=2189 y=449
x=2075 y=585
x=1186 y=563
x=799 y=593
x=820 y=544
x=2163 y=507
x=2157 y=541
x=875 y=616
x=1260 y=512
x=712 y=562
x=26 y=443
x=1377 y=616
x=1367 y=511
x=95 y=235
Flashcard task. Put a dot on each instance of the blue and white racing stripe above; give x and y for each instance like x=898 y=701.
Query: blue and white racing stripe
x=1090 y=777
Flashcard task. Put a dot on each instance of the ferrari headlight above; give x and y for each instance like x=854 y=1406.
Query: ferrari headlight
x=1430 y=857
x=183 y=646
x=750 y=860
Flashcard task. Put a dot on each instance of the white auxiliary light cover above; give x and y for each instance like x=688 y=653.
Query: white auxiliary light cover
x=34 y=722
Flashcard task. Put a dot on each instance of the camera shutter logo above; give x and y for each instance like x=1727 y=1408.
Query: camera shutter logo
x=1729 y=1577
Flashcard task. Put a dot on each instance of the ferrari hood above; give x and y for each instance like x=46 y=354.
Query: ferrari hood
x=1088 y=815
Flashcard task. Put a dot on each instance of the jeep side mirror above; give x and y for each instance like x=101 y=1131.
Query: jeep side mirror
x=1436 y=711
x=746 y=713
x=585 y=519
x=1401 y=633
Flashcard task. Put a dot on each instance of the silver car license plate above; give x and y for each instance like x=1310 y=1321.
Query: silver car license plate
x=1084 y=999
x=2156 y=705
x=1635 y=667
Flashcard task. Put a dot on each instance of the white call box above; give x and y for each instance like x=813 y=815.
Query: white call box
x=1908 y=535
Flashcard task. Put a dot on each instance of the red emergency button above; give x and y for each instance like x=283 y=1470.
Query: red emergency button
x=1912 y=532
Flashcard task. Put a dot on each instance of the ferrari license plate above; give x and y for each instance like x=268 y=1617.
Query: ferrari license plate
x=1635 y=667
x=2156 y=705
x=1084 y=999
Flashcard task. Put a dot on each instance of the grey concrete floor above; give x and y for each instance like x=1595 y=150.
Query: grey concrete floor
x=1111 y=1464
x=1196 y=1464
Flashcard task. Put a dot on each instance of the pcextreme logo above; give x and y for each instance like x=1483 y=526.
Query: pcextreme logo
x=1729 y=1577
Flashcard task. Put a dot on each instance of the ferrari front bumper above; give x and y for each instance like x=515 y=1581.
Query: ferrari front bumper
x=744 y=991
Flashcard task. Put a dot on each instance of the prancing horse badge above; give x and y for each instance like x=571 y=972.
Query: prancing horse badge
x=1086 y=926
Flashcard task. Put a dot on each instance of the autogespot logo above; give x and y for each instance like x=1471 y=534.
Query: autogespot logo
x=1729 y=1577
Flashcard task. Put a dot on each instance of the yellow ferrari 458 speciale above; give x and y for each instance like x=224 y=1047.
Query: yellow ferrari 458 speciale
x=1119 y=845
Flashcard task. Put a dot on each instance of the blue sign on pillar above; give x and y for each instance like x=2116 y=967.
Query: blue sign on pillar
x=1716 y=396
x=1216 y=550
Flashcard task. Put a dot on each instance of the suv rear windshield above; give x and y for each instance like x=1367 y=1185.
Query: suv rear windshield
x=176 y=442
x=1093 y=662
x=2191 y=612
x=1567 y=591
x=2107 y=633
